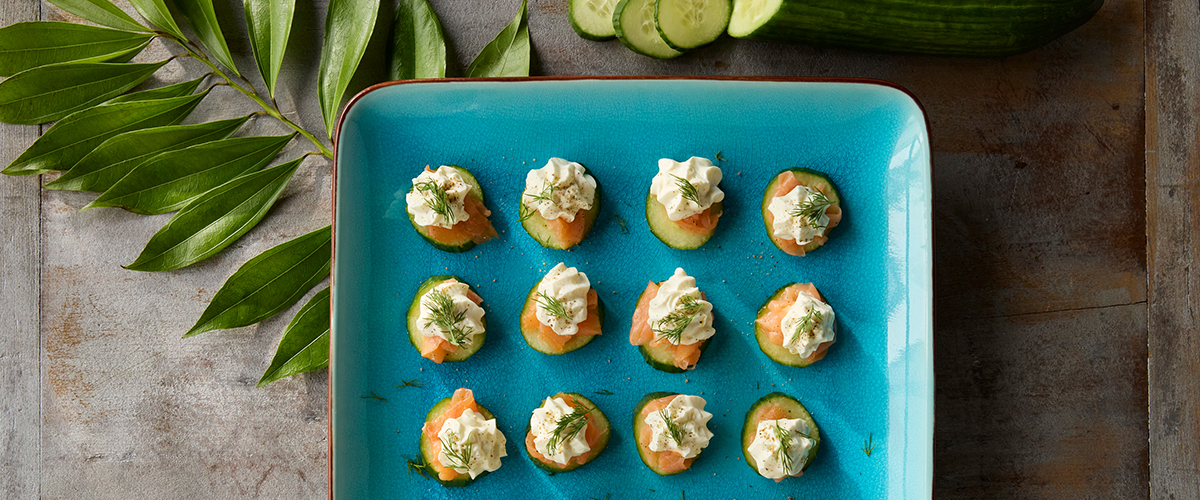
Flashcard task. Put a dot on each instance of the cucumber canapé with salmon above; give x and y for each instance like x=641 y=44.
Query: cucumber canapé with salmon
x=780 y=439
x=684 y=203
x=562 y=312
x=460 y=441
x=560 y=204
x=447 y=209
x=800 y=207
x=670 y=430
x=672 y=323
x=795 y=327
x=445 y=322
x=566 y=432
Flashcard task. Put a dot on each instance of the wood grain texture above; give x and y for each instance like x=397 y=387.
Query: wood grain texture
x=1040 y=223
x=20 y=349
x=1173 y=218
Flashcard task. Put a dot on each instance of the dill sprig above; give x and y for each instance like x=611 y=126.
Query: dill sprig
x=447 y=317
x=546 y=195
x=783 y=453
x=673 y=429
x=812 y=208
x=417 y=465
x=375 y=396
x=438 y=200
x=809 y=321
x=687 y=190
x=553 y=306
x=604 y=392
x=868 y=444
x=411 y=383
x=568 y=426
x=460 y=458
x=671 y=327
x=621 y=222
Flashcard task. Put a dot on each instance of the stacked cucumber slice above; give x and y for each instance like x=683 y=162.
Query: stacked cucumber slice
x=657 y=28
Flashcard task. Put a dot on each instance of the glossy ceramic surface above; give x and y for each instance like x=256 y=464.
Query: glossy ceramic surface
x=876 y=271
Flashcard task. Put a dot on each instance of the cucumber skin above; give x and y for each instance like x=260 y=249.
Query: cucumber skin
x=426 y=453
x=674 y=236
x=750 y=426
x=832 y=195
x=579 y=29
x=600 y=446
x=456 y=247
x=639 y=423
x=414 y=310
x=681 y=48
x=991 y=28
x=535 y=223
x=624 y=41
x=531 y=301
x=764 y=341
x=648 y=355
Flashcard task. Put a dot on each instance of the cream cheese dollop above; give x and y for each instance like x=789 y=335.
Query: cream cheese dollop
x=668 y=186
x=559 y=189
x=688 y=415
x=472 y=437
x=568 y=287
x=545 y=419
x=790 y=227
x=472 y=320
x=765 y=447
x=679 y=298
x=807 y=324
x=424 y=198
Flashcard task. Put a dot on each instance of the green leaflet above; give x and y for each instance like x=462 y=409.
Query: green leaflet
x=214 y=220
x=48 y=93
x=156 y=12
x=269 y=283
x=418 y=47
x=115 y=157
x=100 y=12
x=203 y=18
x=69 y=140
x=167 y=92
x=29 y=45
x=507 y=54
x=348 y=27
x=169 y=181
x=270 y=24
x=305 y=343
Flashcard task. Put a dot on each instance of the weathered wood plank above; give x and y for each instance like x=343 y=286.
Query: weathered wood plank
x=1173 y=218
x=20 y=348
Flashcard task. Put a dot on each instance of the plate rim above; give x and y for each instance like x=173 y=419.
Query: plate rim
x=931 y=349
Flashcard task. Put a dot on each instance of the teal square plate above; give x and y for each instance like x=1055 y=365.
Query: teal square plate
x=872 y=396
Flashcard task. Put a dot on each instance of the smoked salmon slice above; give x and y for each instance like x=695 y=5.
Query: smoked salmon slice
x=701 y=223
x=477 y=227
x=571 y=233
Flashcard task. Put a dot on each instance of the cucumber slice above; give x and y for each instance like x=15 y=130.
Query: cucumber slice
x=648 y=456
x=778 y=353
x=662 y=357
x=811 y=179
x=794 y=410
x=531 y=337
x=687 y=24
x=459 y=245
x=414 y=333
x=599 y=419
x=633 y=22
x=667 y=231
x=539 y=229
x=426 y=446
x=592 y=19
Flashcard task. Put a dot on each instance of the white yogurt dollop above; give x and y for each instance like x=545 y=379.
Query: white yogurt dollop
x=765 y=448
x=806 y=325
x=542 y=424
x=425 y=202
x=669 y=186
x=568 y=287
x=474 y=438
x=466 y=329
x=678 y=299
x=788 y=225
x=559 y=189
x=688 y=415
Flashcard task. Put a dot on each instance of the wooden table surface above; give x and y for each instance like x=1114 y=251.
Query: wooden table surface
x=1065 y=209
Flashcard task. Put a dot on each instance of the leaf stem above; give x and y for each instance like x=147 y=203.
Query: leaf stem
x=251 y=93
